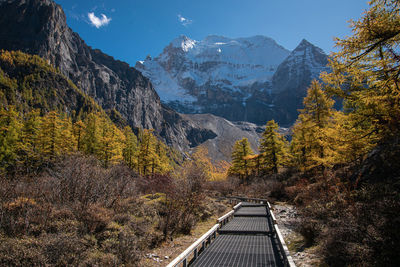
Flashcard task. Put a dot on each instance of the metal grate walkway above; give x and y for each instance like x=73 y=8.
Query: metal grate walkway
x=238 y=251
x=244 y=241
x=246 y=225
x=251 y=204
x=260 y=211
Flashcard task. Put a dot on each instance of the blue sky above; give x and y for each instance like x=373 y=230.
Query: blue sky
x=131 y=29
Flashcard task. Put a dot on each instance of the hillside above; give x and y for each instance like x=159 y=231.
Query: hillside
x=40 y=28
x=28 y=82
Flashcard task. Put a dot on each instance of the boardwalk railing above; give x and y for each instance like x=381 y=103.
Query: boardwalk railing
x=237 y=206
x=224 y=219
x=249 y=199
x=196 y=248
x=288 y=260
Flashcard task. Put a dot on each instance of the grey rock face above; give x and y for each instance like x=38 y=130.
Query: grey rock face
x=39 y=27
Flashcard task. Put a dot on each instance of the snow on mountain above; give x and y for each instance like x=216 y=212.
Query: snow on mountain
x=217 y=61
x=232 y=78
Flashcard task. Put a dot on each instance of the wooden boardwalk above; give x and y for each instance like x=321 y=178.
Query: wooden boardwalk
x=246 y=236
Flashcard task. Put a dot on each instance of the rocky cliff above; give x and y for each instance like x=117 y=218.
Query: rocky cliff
x=39 y=27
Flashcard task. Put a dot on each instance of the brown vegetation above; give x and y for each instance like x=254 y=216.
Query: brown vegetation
x=80 y=213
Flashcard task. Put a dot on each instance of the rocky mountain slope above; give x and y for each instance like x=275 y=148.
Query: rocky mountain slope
x=227 y=133
x=239 y=79
x=39 y=27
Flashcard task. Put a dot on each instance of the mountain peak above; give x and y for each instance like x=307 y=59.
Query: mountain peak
x=306 y=45
x=305 y=42
x=183 y=42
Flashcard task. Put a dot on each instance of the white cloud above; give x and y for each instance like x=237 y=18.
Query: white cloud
x=98 y=22
x=184 y=21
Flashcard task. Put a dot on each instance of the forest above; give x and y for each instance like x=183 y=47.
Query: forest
x=81 y=187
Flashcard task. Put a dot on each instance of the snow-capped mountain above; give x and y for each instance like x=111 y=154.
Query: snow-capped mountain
x=294 y=75
x=232 y=78
x=302 y=65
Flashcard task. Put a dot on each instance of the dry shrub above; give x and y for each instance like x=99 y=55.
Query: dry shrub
x=23 y=216
x=64 y=249
x=224 y=188
x=310 y=229
x=21 y=252
x=183 y=203
x=60 y=217
x=365 y=233
x=94 y=218
x=97 y=258
x=78 y=213
x=156 y=183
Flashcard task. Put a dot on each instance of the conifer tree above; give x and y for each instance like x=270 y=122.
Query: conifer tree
x=147 y=152
x=50 y=137
x=68 y=142
x=10 y=139
x=162 y=165
x=241 y=165
x=79 y=131
x=202 y=161
x=91 y=137
x=130 y=150
x=30 y=135
x=365 y=73
x=313 y=138
x=111 y=141
x=273 y=149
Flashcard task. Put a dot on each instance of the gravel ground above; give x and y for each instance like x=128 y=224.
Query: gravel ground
x=288 y=220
